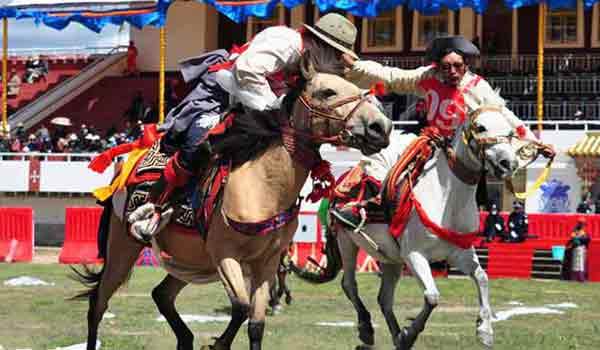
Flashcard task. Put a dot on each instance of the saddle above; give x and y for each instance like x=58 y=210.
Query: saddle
x=193 y=204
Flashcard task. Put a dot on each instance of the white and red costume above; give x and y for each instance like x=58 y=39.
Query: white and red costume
x=446 y=106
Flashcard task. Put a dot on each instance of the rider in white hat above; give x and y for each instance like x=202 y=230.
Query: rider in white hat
x=255 y=75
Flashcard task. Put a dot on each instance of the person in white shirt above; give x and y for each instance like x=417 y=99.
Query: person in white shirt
x=257 y=75
x=450 y=90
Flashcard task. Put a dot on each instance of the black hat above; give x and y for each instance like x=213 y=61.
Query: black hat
x=442 y=46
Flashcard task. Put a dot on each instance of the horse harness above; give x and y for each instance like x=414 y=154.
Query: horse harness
x=302 y=146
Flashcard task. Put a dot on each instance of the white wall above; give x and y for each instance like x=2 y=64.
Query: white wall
x=14 y=176
x=71 y=177
x=191 y=29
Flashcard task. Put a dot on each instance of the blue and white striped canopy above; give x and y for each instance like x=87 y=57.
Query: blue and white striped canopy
x=139 y=13
x=240 y=10
x=92 y=14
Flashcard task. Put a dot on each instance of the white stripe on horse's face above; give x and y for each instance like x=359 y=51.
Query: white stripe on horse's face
x=502 y=157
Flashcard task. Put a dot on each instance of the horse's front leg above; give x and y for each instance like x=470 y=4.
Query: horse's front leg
x=262 y=273
x=387 y=289
x=467 y=262
x=419 y=265
x=349 y=252
x=232 y=277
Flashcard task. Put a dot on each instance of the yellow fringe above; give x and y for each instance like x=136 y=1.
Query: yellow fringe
x=103 y=193
x=540 y=180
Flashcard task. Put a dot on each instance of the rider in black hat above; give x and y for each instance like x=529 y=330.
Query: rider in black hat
x=450 y=90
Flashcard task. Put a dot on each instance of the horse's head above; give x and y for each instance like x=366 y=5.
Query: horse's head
x=499 y=140
x=330 y=109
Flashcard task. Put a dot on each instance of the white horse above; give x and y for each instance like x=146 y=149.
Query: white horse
x=487 y=141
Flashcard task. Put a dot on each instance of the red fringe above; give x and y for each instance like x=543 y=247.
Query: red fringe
x=323 y=181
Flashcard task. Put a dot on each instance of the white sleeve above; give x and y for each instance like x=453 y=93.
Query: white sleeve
x=484 y=94
x=270 y=51
x=401 y=81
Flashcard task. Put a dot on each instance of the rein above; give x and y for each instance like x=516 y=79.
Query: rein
x=302 y=145
x=528 y=152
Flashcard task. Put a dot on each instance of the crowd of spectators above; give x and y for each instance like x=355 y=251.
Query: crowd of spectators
x=62 y=139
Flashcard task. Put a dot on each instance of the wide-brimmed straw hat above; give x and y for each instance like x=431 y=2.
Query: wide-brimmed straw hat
x=337 y=31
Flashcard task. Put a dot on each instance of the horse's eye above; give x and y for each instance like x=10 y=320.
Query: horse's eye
x=480 y=129
x=325 y=94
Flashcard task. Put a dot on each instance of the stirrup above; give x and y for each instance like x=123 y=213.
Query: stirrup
x=346 y=216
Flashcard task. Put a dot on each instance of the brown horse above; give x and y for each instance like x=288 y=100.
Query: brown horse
x=325 y=108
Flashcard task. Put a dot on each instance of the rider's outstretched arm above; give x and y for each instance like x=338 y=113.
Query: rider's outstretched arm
x=401 y=81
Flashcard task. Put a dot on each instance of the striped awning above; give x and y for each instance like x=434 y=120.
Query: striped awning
x=589 y=146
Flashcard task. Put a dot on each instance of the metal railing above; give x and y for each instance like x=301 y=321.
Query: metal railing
x=44 y=157
x=555 y=125
x=589 y=85
x=559 y=111
x=505 y=64
x=65 y=51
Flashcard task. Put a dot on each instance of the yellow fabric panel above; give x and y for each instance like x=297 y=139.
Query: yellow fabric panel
x=103 y=193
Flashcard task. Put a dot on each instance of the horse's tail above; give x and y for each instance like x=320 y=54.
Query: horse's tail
x=87 y=276
x=326 y=273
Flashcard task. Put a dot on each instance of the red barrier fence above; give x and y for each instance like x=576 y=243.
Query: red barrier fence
x=16 y=234
x=81 y=231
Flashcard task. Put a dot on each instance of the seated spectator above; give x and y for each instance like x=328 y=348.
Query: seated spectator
x=494 y=224
x=20 y=132
x=584 y=206
x=35 y=69
x=5 y=143
x=575 y=260
x=517 y=224
x=14 y=84
x=597 y=205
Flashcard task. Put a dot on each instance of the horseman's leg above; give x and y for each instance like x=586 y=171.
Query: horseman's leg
x=466 y=261
x=164 y=296
x=349 y=252
x=419 y=265
x=122 y=254
x=387 y=289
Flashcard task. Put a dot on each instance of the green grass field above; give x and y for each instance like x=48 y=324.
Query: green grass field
x=43 y=318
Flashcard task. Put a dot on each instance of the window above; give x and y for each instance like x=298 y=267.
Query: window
x=564 y=27
x=255 y=25
x=427 y=28
x=596 y=26
x=383 y=33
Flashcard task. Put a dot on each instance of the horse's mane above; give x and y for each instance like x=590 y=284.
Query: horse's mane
x=252 y=132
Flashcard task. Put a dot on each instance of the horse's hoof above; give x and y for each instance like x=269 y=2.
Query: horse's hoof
x=276 y=310
x=288 y=300
x=405 y=339
x=485 y=333
x=364 y=347
x=486 y=338
x=366 y=333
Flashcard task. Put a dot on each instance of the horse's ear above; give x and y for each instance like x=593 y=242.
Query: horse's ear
x=306 y=66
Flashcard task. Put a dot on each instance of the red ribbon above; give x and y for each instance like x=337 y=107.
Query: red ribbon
x=323 y=181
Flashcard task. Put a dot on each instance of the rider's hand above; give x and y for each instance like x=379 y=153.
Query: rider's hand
x=548 y=151
x=348 y=60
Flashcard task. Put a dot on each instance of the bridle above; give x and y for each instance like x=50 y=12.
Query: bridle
x=327 y=112
x=528 y=152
